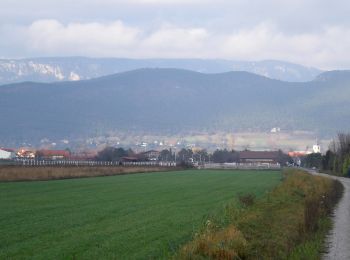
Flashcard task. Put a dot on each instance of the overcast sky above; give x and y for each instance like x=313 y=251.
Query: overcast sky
x=310 y=32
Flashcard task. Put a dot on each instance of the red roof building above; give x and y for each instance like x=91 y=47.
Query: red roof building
x=53 y=154
x=10 y=150
x=298 y=153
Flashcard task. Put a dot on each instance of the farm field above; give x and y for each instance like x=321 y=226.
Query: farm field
x=125 y=217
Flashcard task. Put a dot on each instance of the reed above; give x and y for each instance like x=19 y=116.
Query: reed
x=22 y=173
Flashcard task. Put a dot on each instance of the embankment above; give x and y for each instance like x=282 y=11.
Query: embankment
x=290 y=222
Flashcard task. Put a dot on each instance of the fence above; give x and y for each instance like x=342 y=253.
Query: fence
x=38 y=163
x=241 y=166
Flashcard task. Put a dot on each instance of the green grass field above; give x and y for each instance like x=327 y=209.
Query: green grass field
x=124 y=217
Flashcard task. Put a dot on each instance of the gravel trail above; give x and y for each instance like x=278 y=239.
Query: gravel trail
x=338 y=241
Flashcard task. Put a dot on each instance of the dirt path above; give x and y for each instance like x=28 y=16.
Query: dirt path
x=338 y=240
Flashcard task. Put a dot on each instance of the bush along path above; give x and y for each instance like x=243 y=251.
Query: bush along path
x=290 y=222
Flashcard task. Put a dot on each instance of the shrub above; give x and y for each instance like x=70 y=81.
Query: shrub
x=228 y=243
x=246 y=200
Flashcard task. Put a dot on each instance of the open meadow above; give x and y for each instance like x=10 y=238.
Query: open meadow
x=125 y=217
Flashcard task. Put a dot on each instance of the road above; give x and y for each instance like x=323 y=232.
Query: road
x=338 y=240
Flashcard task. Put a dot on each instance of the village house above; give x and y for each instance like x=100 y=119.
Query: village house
x=26 y=154
x=151 y=155
x=259 y=157
x=130 y=159
x=7 y=154
x=53 y=154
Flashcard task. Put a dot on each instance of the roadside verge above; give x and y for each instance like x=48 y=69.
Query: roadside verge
x=290 y=222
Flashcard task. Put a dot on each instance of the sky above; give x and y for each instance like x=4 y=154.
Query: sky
x=309 y=32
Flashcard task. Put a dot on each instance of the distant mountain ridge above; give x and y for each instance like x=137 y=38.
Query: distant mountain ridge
x=81 y=68
x=335 y=75
x=173 y=101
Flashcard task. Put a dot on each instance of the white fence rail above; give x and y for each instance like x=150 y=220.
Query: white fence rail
x=38 y=163
x=242 y=166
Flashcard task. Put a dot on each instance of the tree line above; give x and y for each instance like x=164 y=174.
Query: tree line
x=337 y=158
x=185 y=155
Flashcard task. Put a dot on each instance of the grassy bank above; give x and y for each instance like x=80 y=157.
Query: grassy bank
x=23 y=173
x=137 y=216
x=289 y=223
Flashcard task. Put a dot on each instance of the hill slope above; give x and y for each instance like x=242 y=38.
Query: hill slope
x=170 y=100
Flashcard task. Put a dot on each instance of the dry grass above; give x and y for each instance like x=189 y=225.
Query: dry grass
x=228 y=244
x=22 y=173
x=270 y=228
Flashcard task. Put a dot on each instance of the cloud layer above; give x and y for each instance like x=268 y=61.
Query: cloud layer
x=311 y=32
x=325 y=48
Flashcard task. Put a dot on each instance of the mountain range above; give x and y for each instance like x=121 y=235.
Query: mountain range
x=173 y=100
x=81 y=68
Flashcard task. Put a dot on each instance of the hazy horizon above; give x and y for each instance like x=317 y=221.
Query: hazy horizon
x=165 y=58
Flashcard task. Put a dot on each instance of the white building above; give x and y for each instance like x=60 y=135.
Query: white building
x=275 y=130
x=6 y=155
x=316 y=148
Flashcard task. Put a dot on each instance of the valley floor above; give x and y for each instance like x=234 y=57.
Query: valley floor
x=130 y=216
